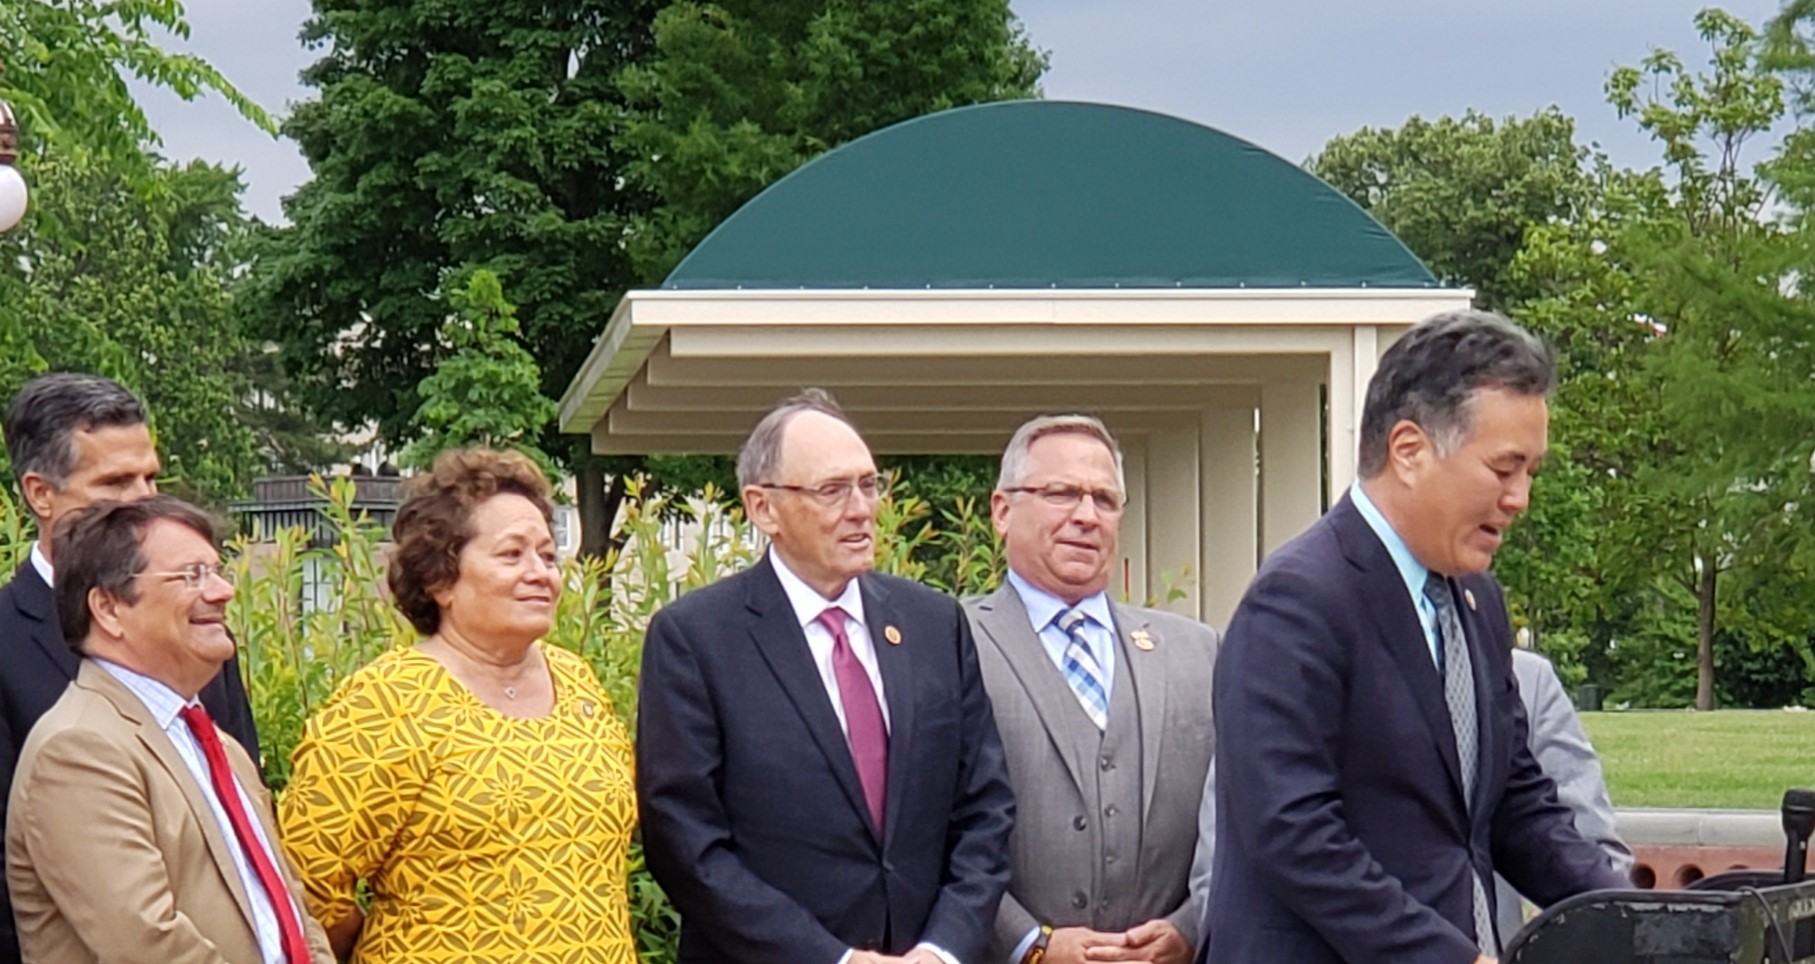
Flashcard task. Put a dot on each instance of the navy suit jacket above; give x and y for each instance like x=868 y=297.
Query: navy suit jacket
x=1342 y=832
x=753 y=815
x=36 y=666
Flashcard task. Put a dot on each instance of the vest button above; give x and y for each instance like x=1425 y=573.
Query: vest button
x=1110 y=811
x=1079 y=901
x=1106 y=764
x=1079 y=823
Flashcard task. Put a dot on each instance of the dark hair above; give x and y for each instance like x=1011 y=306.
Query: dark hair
x=1430 y=376
x=433 y=523
x=760 y=455
x=100 y=547
x=52 y=408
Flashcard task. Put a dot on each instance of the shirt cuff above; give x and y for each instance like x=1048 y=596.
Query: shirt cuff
x=1026 y=944
x=846 y=959
x=937 y=951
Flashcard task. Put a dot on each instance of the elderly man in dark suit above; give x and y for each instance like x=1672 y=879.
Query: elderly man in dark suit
x=818 y=773
x=1104 y=711
x=73 y=440
x=1374 y=772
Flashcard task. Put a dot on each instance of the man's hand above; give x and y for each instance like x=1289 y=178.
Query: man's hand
x=921 y=955
x=1484 y=959
x=1156 y=941
x=1071 y=945
x=871 y=957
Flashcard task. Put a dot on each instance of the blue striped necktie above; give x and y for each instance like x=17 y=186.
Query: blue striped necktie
x=1082 y=670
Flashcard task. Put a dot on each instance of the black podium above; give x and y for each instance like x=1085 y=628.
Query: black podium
x=1753 y=925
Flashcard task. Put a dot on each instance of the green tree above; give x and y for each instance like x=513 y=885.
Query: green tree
x=1685 y=283
x=64 y=67
x=526 y=138
x=488 y=392
x=1463 y=193
x=133 y=284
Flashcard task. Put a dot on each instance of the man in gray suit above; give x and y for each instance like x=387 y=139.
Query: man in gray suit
x=1565 y=755
x=1104 y=711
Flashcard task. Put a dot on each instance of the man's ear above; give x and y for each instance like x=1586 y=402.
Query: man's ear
x=104 y=610
x=1409 y=449
x=37 y=491
x=759 y=510
x=998 y=511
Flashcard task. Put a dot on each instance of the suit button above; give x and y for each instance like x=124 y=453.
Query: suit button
x=1079 y=823
x=1080 y=901
x=1110 y=810
x=888 y=868
x=1106 y=764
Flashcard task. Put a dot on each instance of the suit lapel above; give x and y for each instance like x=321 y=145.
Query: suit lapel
x=1147 y=672
x=896 y=664
x=38 y=602
x=1004 y=620
x=778 y=637
x=158 y=743
x=1402 y=633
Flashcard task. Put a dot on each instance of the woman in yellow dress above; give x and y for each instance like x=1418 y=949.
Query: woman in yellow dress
x=477 y=783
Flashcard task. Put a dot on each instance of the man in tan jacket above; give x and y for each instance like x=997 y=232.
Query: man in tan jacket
x=135 y=833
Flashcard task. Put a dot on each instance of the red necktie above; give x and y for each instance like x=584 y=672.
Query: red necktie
x=296 y=947
x=864 y=728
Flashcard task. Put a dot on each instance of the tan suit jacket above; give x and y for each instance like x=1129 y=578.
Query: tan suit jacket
x=112 y=851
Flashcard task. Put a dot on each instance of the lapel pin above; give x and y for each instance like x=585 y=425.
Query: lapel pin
x=892 y=634
x=1468 y=596
x=1143 y=640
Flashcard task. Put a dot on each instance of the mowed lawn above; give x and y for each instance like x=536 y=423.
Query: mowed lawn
x=1675 y=758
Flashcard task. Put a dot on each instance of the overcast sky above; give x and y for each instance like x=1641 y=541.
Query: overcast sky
x=1285 y=75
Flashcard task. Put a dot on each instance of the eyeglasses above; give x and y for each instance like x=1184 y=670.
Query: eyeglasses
x=195 y=575
x=1067 y=497
x=836 y=491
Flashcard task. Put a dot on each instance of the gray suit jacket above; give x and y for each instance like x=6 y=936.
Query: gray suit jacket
x=1565 y=755
x=1052 y=763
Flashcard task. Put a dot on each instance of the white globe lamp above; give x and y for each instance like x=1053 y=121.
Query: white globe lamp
x=13 y=195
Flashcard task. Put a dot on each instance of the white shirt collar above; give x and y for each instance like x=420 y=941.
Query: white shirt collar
x=807 y=602
x=42 y=564
x=163 y=702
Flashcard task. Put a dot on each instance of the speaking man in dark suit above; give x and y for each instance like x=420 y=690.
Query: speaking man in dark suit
x=1104 y=712
x=818 y=772
x=1374 y=772
x=73 y=440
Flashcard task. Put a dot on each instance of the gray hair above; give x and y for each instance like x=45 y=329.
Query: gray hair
x=1014 y=458
x=50 y=409
x=1430 y=377
x=761 y=452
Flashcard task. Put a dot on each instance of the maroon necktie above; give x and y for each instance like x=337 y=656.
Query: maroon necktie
x=296 y=947
x=862 y=716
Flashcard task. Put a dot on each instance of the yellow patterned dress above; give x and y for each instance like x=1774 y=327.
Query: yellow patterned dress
x=481 y=837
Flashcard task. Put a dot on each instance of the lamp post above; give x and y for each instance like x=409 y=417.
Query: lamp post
x=13 y=195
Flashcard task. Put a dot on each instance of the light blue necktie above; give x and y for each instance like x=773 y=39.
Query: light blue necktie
x=1082 y=670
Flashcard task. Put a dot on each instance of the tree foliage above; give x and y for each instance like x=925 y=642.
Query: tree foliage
x=133 y=283
x=488 y=392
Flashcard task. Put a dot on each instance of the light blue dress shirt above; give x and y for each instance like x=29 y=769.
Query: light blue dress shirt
x=1044 y=607
x=1410 y=569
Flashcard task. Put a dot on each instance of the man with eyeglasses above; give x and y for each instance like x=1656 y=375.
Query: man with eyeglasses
x=136 y=832
x=1104 y=711
x=73 y=439
x=818 y=774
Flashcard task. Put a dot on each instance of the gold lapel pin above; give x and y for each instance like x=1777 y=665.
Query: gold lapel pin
x=1143 y=640
x=1468 y=596
x=892 y=634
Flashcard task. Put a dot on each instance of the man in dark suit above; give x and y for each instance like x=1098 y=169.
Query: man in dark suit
x=1373 y=771
x=818 y=772
x=73 y=440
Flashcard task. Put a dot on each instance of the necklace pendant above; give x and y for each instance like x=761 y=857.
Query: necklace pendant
x=510 y=692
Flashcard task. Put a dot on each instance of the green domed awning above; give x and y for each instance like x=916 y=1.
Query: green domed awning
x=1038 y=194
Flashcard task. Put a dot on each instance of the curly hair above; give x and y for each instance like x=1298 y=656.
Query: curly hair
x=433 y=523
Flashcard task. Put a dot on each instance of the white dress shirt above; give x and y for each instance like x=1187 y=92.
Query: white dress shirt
x=42 y=563
x=808 y=605
x=164 y=704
